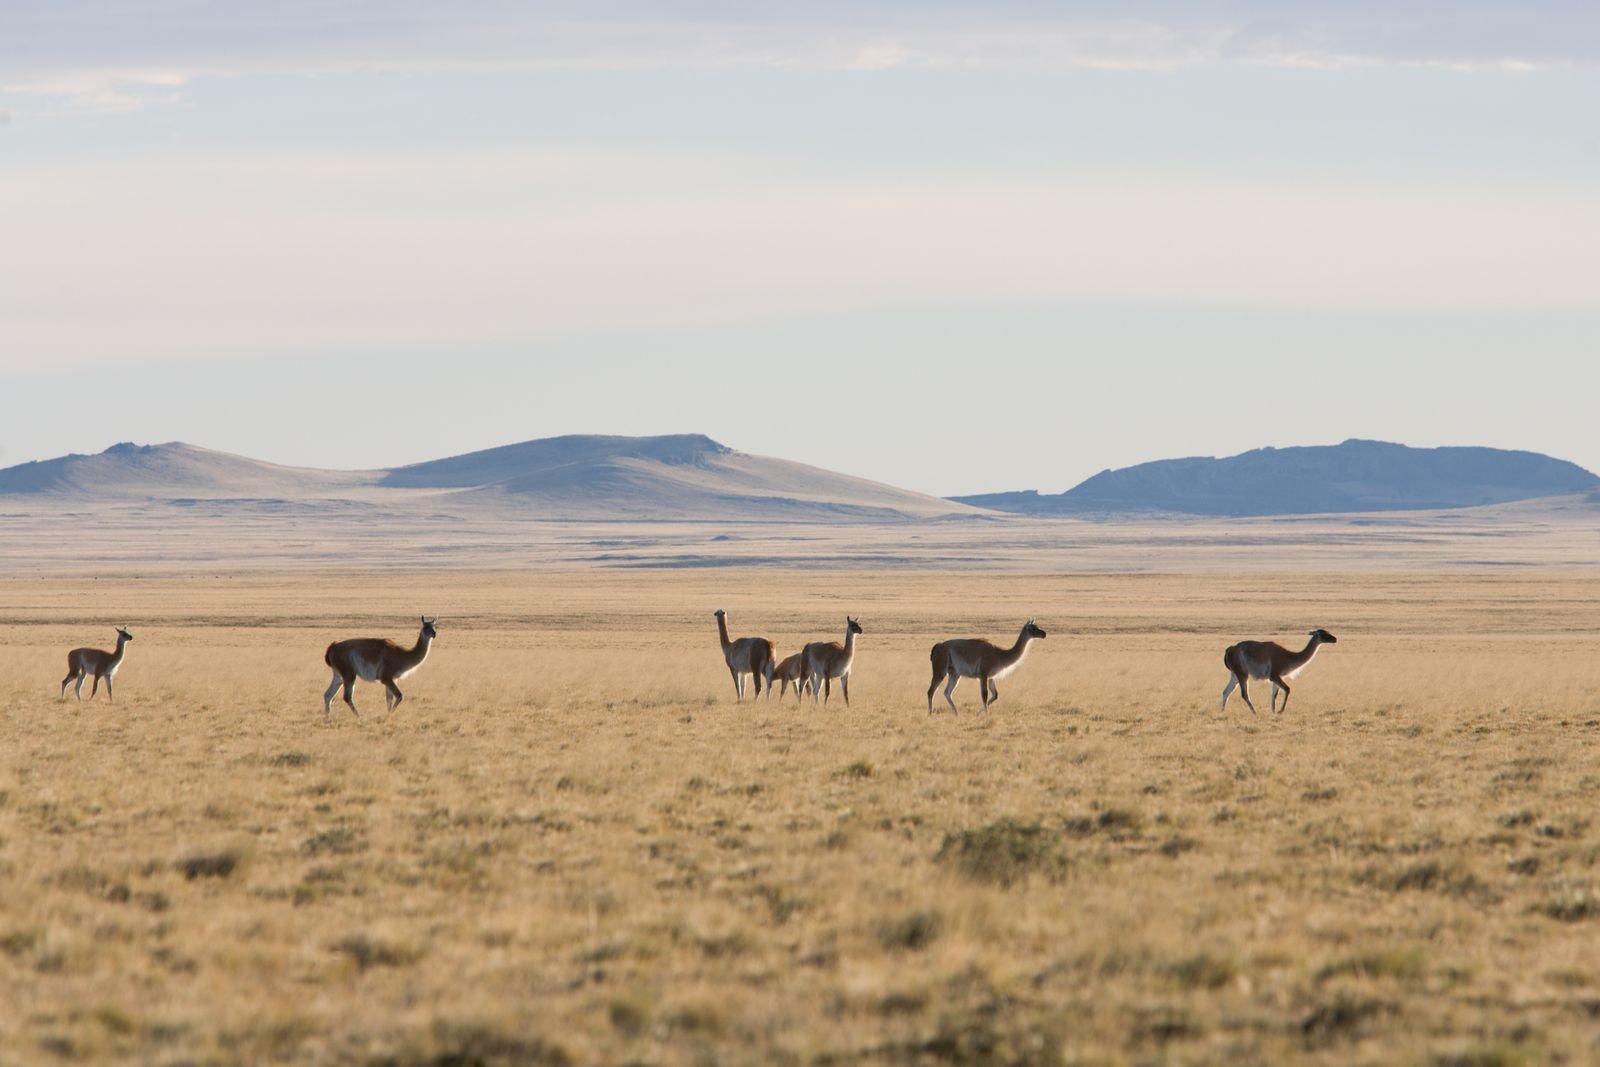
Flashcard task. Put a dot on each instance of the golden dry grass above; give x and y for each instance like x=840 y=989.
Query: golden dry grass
x=570 y=845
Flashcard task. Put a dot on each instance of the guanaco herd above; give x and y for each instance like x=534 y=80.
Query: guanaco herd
x=812 y=669
x=815 y=665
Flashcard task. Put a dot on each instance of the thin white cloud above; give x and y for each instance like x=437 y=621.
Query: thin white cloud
x=200 y=258
x=101 y=52
x=110 y=90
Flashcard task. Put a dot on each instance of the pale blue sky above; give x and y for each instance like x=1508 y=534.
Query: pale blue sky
x=961 y=250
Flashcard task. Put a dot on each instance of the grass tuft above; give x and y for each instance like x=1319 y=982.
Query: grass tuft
x=1174 y=847
x=701 y=1019
x=478 y=1045
x=210 y=864
x=367 y=952
x=18 y=942
x=1161 y=1025
x=911 y=933
x=1491 y=1056
x=1402 y=963
x=1006 y=852
x=781 y=904
x=1201 y=971
x=630 y=1015
x=1430 y=876
x=339 y=840
x=1342 y=1019
x=1119 y=824
x=979 y=1037
x=1571 y=905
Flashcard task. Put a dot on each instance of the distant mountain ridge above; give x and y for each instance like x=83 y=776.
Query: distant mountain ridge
x=1354 y=476
x=675 y=476
x=691 y=476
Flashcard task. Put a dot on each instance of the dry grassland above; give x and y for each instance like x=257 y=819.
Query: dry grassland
x=47 y=534
x=570 y=845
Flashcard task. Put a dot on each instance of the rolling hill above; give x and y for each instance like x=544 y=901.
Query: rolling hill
x=1355 y=476
x=672 y=476
x=172 y=470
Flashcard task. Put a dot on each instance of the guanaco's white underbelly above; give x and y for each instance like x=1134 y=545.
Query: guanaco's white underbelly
x=839 y=670
x=968 y=668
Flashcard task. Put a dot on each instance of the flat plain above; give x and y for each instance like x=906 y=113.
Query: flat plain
x=571 y=845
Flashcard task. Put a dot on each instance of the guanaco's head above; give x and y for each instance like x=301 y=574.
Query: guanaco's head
x=123 y=634
x=1031 y=630
x=854 y=626
x=427 y=627
x=719 y=613
x=1324 y=636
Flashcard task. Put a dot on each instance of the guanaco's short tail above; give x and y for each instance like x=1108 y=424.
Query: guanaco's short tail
x=327 y=657
x=1227 y=658
x=939 y=656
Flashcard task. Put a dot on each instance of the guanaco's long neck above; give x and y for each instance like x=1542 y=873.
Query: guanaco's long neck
x=1301 y=658
x=722 y=631
x=849 y=643
x=1016 y=651
x=122 y=644
x=419 y=651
